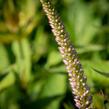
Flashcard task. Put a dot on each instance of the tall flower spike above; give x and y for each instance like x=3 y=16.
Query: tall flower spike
x=75 y=71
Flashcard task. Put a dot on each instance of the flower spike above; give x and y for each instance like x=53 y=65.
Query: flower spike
x=80 y=90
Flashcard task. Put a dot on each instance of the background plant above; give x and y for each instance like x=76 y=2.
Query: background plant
x=30 y=76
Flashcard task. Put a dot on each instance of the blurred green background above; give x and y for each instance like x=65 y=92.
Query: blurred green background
x=32 y=74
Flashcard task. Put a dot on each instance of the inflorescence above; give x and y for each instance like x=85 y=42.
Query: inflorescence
x=80 y=90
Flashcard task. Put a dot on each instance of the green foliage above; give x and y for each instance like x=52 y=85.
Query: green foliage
x=32 y=74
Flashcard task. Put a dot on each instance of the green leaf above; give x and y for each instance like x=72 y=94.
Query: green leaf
x=95 y=79
x=27 y=58
x=54 y=86
x=40 y=44
x=90 y=48
x=54 y=58
x=2 y=76
x=4 y=61
x=45 y=102
x=85 y=25
x=102 y=73
x=7 y=81
x=22 y=53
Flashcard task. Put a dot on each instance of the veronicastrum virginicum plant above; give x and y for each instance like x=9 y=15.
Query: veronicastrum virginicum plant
x=80 y=90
